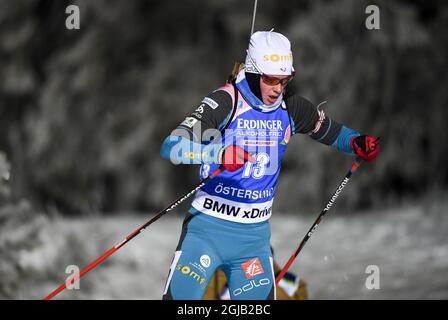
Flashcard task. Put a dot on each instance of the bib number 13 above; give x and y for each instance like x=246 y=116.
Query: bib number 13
x=257 y=169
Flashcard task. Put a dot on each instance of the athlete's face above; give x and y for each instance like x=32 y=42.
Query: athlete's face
x=272 y=87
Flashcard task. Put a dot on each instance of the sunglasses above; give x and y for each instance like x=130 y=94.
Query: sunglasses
x=273 y=81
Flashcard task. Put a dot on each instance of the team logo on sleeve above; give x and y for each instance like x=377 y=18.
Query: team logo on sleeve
x=212 y=103
x=287 y=136
x=199 y=111
x=252 y=268
x=189 y=122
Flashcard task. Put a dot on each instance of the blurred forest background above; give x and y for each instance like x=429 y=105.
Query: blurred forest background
x=83 y=112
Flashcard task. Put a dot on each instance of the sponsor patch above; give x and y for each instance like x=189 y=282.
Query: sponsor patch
x=318 y=122
x=205 y=261
x=189 y=122
x=235 y=210
x=252 y=268
x=212 y=103
x=263 y=143
x=186 y=270
x=259 y=124
x=287 y=136
x=200 y=109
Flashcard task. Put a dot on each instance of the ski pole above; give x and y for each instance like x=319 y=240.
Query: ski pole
x=254 y=15
x=109 y=252
x=313 y=228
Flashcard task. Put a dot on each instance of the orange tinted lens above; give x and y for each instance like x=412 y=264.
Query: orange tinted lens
x=273 y=81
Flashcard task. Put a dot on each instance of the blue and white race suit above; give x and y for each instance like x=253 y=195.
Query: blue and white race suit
x=227 y=226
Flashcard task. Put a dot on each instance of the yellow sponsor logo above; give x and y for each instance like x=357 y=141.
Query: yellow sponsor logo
x=187 y=271
x=277 y=57
x=192 y=155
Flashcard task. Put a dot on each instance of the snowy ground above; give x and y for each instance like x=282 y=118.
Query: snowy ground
x=409 y=246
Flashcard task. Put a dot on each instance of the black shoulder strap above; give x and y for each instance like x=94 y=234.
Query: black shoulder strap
x=235 y=102
x=289 y=116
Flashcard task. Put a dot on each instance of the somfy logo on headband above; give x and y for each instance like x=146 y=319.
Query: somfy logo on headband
x=277 y=57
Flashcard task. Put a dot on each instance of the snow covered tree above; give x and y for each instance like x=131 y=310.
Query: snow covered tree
x=19 y=231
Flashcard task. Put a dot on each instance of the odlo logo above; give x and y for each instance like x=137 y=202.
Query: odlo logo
x=252 y=284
